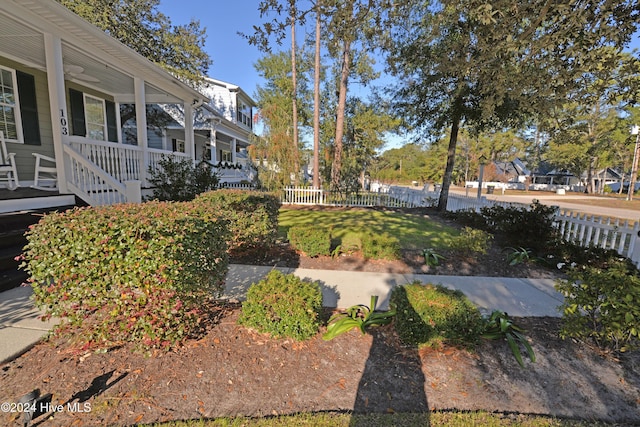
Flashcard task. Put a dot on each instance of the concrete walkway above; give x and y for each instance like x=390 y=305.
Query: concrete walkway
x=20 y=327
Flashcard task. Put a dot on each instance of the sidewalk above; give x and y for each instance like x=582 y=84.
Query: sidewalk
x=20 y=328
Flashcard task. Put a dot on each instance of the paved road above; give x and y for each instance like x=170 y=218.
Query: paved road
x=567 y=201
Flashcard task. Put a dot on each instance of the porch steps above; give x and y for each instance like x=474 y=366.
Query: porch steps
x=12 y=240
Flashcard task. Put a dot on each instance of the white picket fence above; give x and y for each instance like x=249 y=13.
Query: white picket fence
x=585 y=230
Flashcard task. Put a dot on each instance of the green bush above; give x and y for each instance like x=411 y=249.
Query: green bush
x=431 y=315
x=127 y=272
x=313 y=241
x=178 y=180
x=602 y=305
x=471 y=240
x=252 y=216
x=283 y=306
x=531 y=227
x=380 y=246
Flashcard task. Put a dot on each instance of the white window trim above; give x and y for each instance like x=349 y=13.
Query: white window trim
x=104 y=115
x=16 y=107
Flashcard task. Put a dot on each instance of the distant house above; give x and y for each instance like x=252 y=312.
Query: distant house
x=64 y=82
x=513 y=171
x=223 y=130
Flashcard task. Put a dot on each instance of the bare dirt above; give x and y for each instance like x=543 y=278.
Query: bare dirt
x=236 y=371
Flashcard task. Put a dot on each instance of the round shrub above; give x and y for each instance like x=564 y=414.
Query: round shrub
x=283 y=306
x=380 y=246
x=252 y=216
x=313 y=241
x=133 y=272
x=602 y=305
x=430 y=315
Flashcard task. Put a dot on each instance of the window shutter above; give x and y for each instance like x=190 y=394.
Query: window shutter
x=76 y=101
x=28 y=108
x=112 y=124
x=174 y=144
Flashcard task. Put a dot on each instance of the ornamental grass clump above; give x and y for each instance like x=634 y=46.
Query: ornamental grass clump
x=430 y=315
x=283 y=305
x=135 y=272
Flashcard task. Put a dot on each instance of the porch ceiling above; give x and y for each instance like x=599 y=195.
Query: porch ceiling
x=107 y=65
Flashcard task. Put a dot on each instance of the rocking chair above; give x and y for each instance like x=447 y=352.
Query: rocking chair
x=48 y=174
x=8 y=170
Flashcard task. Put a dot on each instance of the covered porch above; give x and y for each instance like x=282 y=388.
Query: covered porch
x=79 y=81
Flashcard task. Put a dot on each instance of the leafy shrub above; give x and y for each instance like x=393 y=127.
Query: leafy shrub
x=531 y=227
x=252 y=216
x=471 y=240
x=313 y=241
x=430 y=315
x=176 y=179
x=602 y=305
x=380 y=246
x=566 y=254
x=127 y=272
x=283 y=306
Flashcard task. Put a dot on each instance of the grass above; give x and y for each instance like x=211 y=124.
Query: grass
x=415 y=232
x=450 y=419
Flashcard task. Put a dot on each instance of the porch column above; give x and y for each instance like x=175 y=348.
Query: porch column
x=233 y=150
x=141 y=124
x=57 y=104
x=189 y=142
x=213 y=145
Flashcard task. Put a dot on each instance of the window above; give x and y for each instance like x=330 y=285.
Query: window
x=95 y=118
x=244 y=115
x=177 y=145
x=10 y=120
x=225 y=156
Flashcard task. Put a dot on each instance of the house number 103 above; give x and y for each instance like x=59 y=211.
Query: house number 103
x=63 y=123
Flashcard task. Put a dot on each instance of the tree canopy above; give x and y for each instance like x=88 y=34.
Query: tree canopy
x=139 y=25
x=490 y=66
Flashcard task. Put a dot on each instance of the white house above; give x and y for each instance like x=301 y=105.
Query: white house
x=62 y=84
x=223 y=129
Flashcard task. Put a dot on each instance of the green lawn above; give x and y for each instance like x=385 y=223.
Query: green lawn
x=449 y=419
x=413 y=231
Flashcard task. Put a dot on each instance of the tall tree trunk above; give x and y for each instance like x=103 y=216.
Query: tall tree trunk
x=316 y=104
x=342 y=103
x=294 y=95
x=451 y=157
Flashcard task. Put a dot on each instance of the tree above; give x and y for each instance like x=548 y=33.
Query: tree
x=467 y=63
x=350 y=22
x=275 y=150
x=138 y=24
x=583 y=129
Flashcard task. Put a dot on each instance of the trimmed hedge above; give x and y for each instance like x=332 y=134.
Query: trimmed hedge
x=313 y=241
x=283 y=305
x=127 y=272
x=430 y=315
x=252 y=216
x=380 y=246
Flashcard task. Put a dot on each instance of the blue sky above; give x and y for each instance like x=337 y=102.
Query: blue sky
x=233 y=57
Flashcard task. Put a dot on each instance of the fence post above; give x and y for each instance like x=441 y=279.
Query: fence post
x=635 y=245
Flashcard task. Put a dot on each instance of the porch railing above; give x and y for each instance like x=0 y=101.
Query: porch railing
x=98 y=171
x=86 y=179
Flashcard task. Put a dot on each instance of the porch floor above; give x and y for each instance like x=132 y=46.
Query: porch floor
x=25 y=198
